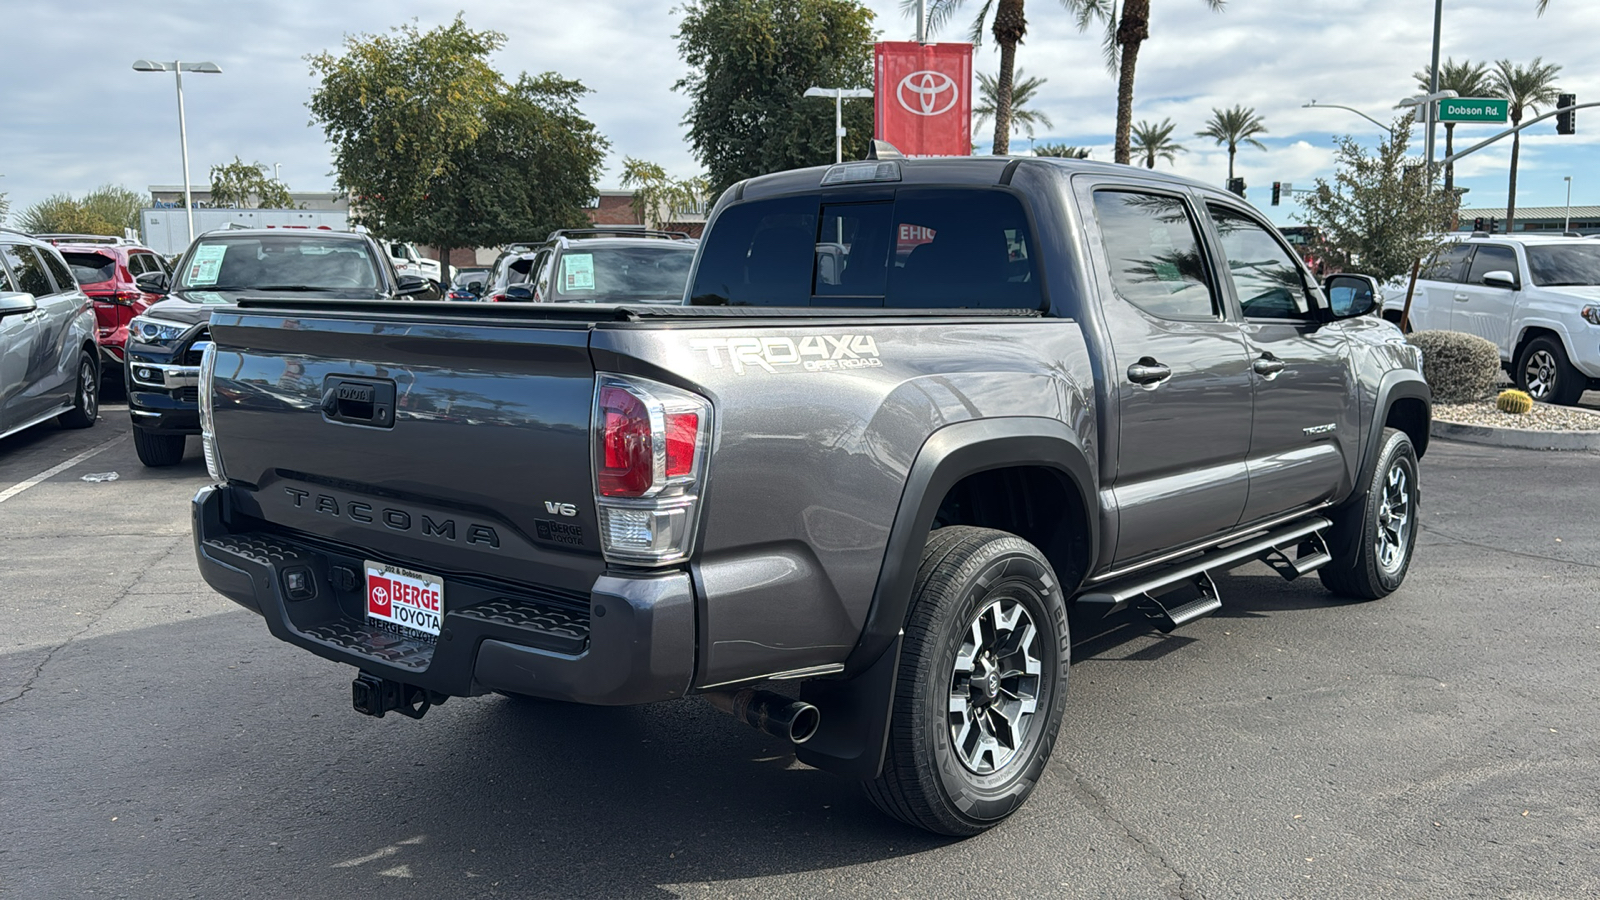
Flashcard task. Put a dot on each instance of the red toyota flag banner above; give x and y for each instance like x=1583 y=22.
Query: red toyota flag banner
x=922 y=97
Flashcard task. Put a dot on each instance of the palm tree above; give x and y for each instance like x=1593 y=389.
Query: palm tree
x=1126 y=29
x=1022 y=91
x=1467 y=79
x=1063 y=151
x=1009 y=28
x=1524 y=90
x=1155 y=141
x=1233 y=127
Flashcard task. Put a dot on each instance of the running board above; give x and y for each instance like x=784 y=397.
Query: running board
x=1167 y=619
x=1304 y=536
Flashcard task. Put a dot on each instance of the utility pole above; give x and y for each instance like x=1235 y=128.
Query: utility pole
x=922 y=21
x=1433 y=85
x=1568 y=226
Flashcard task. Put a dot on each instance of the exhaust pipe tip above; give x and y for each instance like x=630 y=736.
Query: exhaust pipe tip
x=769 y=713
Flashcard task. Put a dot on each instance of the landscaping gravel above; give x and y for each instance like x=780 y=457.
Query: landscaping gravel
x=1543 y=416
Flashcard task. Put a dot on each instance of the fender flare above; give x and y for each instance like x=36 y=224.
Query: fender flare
x=1397 y=384
x=856 y=708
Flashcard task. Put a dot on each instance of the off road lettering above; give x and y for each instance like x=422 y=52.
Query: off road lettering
x=812 y=353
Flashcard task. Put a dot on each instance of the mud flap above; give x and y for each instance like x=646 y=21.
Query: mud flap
x=854 y=731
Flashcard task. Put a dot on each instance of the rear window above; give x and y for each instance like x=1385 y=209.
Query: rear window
x=922 y=248
x=237 y=264
x=90 y=268
x=592 y=273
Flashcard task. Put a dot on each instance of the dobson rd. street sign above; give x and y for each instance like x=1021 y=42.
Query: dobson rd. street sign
x=1472 y=109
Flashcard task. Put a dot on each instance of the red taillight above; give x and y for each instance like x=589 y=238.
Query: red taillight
x=682 y=431
x=627 y=464
x=126 y=297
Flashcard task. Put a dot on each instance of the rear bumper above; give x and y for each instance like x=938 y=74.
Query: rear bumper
x=632 y=643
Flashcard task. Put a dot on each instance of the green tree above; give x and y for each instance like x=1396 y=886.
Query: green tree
x=1064 y=151
x=1525 y=89
x=109 y=209
x=242 y=185
x=1023 y=90
x=1126 y=29
x=1152 y=142
x=5 y=207
x=1232 y=127
x=1466 y=78
x=1009 y=27
x=749 y=63
x=1379 y=216
x=117 y=205
x=434 y=146
x=656 y=195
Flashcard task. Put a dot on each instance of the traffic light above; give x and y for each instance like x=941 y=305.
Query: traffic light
x=1493 y=223
x=1277 y=192
x=1567 y=122
x=1236 y=186
x=1477 y=224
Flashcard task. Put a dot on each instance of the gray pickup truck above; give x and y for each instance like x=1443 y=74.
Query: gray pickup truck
x=911 y=414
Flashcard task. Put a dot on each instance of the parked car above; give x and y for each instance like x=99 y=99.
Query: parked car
x=592 y=265
x=167 y=341
x=49 y=365
x=1536 y=298
x=468 y=284
x=107 y=272
x=513 y=266
x=1021 y=386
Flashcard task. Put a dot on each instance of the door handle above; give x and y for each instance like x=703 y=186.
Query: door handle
x=1463 y=297
x=1148 y=372
x=1268 y=366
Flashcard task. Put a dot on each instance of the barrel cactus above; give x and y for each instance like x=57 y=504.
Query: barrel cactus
x=1514 y=402
x=1459 y=367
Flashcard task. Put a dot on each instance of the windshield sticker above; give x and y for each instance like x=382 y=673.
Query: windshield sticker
x=813 y=353
x=577 y=272
x=206 y=264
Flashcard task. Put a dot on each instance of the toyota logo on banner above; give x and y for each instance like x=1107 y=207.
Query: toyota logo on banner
x=927 y=93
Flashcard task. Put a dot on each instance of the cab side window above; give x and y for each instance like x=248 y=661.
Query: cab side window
x=1265 y=276
x=1153 y=249
x=1491 y=258
x=28 y=268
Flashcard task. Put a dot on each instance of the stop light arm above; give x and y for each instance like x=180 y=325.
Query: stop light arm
x=1510 y=131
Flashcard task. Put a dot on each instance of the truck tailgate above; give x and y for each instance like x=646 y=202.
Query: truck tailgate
x=498 y=410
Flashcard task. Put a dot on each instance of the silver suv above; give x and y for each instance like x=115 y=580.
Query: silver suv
x=49 y=368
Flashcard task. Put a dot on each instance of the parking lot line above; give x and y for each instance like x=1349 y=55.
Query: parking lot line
x=21 y=486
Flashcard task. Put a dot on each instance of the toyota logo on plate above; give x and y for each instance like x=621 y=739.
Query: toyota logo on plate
x=927 y=93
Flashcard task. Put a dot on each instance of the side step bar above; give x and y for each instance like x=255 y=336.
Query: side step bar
x=1305 y=536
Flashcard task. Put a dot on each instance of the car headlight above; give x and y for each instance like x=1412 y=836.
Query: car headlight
x=1591 y=314
x=156 y=331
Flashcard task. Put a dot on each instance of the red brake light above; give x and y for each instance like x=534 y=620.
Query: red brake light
x=682 y=430
x=627 y=464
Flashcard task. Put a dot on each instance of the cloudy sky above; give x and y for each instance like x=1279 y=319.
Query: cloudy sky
x=77 y=116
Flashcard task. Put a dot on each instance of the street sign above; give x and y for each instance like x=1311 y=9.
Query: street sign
x=1472 y=109
x=923 y=97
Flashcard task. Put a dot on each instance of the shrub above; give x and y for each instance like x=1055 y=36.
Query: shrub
x=1459 y=367
x=1513 y=402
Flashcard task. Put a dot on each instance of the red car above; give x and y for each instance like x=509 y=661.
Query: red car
x=106 y=268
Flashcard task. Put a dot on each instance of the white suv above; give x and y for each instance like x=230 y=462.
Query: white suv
x=407 y=261
x=1536 y=298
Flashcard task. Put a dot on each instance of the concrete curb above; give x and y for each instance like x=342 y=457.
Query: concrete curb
x=1516 y=437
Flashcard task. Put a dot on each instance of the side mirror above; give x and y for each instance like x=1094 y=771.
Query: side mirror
x=412 y=285
x=1351 y=295
x=475 y=286
x=16 y=304
x=1500 y=278
x=520 y=293
x=153 y=283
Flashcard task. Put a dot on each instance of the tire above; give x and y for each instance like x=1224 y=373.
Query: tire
x=938 y=775
x=86 y=397
x=1545 y=374
x=158 y=450
x=1373 y=537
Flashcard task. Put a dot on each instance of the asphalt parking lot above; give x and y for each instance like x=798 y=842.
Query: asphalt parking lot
x=1444 y=742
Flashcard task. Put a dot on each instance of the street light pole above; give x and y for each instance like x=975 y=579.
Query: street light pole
x=1568 y=224
x=839 y=95
x=1315 y=105
x=1433 y=84
x=178 y=68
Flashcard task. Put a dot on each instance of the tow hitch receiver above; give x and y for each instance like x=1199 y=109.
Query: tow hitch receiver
x=374 y=696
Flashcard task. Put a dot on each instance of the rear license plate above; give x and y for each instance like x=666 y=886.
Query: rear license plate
x=407 y=602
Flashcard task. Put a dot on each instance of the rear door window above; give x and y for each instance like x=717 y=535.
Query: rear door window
x=1152 y=248
x=925 y=248
x=1447 y=264
x=59 y=271
x=28 y=269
